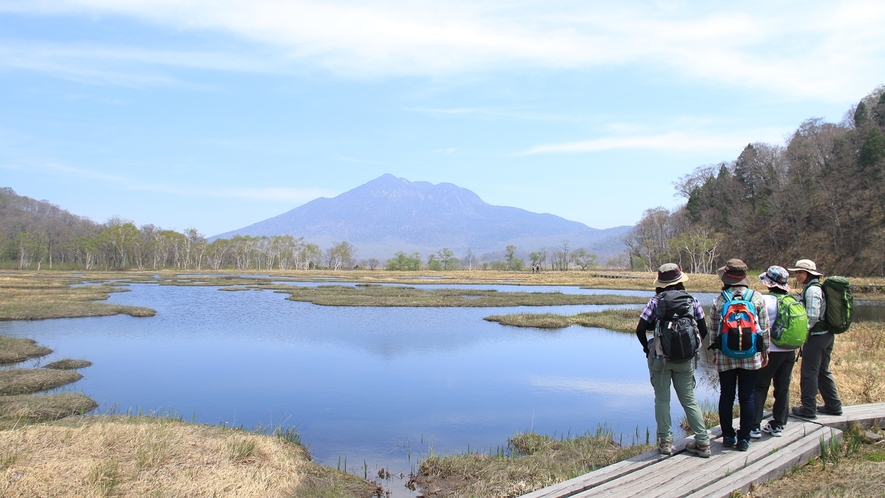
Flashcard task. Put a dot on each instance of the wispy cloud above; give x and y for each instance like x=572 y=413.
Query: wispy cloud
x=821 y=49
x=673 y=141
x=266 y=194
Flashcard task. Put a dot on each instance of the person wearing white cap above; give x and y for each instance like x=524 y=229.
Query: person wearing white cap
x=815 y=372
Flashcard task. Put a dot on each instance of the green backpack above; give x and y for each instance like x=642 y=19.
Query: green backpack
x=840 y=304
x=790 y=327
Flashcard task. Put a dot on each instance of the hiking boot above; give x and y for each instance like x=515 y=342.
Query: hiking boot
x=773 y=429
x=728 y=442
x=828 y=411
x=756 y=433
x=701 y=450
x=665 y=447
x=742 y=445
x=802 y=412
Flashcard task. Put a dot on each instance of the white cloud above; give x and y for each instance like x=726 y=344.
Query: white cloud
x=266 y=194
x=820 y=49
x=673 y=141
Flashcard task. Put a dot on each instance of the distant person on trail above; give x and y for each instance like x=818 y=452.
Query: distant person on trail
x=737 y=373
x=673 y=310
x=815 y=372
x=780 y=361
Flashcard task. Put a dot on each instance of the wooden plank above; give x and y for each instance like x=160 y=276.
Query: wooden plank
x=772 y=467
x=698 y=472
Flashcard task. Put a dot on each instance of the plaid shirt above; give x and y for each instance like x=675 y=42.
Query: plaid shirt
x=723 y=362
x=815 y=304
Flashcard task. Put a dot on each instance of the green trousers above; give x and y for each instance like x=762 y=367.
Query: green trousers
x=681 y=376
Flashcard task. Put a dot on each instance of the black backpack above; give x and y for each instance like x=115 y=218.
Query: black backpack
x=675 y=326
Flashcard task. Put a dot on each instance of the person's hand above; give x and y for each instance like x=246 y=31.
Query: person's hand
x=764 y=360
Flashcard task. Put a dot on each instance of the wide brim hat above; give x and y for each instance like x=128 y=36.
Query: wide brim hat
x=808 y=266
x=734 y=273
x=670 y=274
x=776 y=276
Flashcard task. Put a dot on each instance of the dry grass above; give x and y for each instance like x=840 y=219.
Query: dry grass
x=386 y=296
x=620 y=320
x=31 y=380
x=68 y=364
x=25 y=409
x=145 y=456
x=41 y=295
x=537 y=461
x=14 y=350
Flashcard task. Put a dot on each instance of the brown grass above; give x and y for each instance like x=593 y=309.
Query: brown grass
x=31 y=380
x=24 y=409
x=620 y=320
x=15 y=350
x=372 y=295
x=144 y=456
x=42 y=295
x=537 y=461
x=68 y=364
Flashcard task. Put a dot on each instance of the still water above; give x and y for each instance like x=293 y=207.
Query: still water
x=381 y=387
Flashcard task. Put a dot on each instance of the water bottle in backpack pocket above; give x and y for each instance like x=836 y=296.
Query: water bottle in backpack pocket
x=739 y=335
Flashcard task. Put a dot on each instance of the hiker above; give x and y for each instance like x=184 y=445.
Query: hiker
x=676 y=368
x=738 y=367
x=780 y=359
x=815 y=372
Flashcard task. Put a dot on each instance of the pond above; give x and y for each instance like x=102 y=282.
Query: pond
x=377 y=387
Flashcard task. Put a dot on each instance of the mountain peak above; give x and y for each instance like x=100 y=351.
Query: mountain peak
x=390 y=214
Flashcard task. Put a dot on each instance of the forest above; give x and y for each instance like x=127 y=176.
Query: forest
x=819 y=196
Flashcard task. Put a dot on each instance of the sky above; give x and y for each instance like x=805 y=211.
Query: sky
x=216 y=115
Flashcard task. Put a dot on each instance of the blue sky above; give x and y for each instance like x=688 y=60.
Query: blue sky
x=216 y=115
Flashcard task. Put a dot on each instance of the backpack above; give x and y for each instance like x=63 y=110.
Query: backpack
x=840 y=305
x=738 y=330
x=790 y=327
x=675 y=329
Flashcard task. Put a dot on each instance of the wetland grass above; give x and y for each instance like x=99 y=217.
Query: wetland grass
x=147 y=456
x=16 y=410
x=531 y=461
x=68 y=364
x=16 y=381
x=16 y=350
x=42 y=295
x=389 y=296
x=619 y=320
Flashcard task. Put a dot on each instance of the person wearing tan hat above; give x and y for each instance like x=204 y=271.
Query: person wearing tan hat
x=669 y=287
x=738 y=374
x=815 y=375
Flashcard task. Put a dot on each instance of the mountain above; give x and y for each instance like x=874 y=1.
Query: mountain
x=391 y=214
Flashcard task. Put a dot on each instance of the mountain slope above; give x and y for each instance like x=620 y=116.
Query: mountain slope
x=392 y=214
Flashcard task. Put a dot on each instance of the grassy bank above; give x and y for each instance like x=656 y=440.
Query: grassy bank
x=147 y=456
x=530 y=461
x=42 y=295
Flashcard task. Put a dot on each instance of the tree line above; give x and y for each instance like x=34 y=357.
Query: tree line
x=38 y=234
x=820 y=196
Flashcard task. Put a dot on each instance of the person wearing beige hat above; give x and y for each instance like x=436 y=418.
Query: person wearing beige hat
x=738 y=374
x=815 y=375
x=670 y=288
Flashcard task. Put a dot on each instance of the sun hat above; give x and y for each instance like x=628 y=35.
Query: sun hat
x=734 y=273
x=669 y=274
x=807 y=265
x=776 y=276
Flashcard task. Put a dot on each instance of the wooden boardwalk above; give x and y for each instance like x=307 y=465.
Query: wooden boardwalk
x=654 y=475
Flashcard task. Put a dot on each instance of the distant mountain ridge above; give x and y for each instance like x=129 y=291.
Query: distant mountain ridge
x=391 y=214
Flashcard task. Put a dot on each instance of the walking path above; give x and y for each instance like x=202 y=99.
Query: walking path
x=684 y=474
